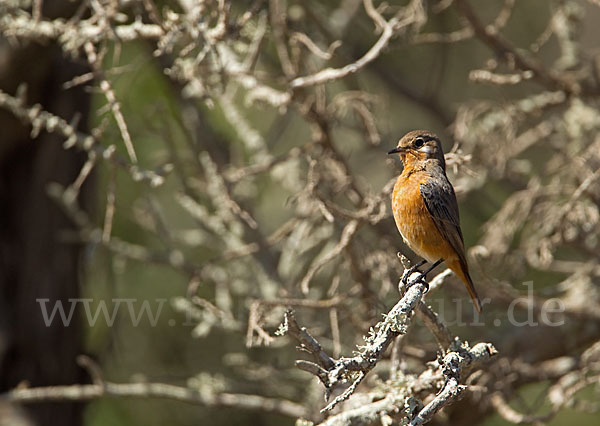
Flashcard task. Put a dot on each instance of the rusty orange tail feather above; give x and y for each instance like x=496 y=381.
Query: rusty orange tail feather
x=463 y=273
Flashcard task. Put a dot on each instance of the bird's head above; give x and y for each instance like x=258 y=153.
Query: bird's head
x=419 y=145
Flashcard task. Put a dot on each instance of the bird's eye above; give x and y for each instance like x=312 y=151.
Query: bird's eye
x=419 y=142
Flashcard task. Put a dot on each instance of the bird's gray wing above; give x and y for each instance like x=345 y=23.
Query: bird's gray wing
x=440 y=201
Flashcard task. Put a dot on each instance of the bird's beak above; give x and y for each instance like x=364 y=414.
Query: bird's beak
x=395 y=150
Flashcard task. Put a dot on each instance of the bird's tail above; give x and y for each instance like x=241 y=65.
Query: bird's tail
x=463 y=273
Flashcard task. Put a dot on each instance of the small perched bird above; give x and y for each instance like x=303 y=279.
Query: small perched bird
x=425 y=207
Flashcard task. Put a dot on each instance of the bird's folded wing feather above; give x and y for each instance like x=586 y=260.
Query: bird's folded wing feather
x=440 y=201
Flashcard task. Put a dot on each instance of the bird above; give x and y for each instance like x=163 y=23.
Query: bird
x=425 y=208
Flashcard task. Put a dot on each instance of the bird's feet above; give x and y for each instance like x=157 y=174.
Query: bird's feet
x=423 y=275
x=410 y=271
x=421 y=279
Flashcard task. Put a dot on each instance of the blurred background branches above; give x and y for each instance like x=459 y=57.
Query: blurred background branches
x=229 y=157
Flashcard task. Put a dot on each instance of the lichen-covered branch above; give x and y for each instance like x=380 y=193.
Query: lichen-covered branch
x=335 y=372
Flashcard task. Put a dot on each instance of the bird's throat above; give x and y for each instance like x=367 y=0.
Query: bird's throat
x=411 y=160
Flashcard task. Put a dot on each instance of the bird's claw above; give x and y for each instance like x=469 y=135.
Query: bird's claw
x=419 y=279
x=407 y=282
x=407 y=275
x=425 y=284
x=409 y=272
x=446 y=380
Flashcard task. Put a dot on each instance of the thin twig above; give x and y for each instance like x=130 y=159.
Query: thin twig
x=115 y=106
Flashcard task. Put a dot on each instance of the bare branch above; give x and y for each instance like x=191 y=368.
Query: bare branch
x=389 y=29
x=40 y=119
x=490 y=36
x=153 y=390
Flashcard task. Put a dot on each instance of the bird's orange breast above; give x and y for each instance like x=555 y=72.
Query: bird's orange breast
x=414 y=220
